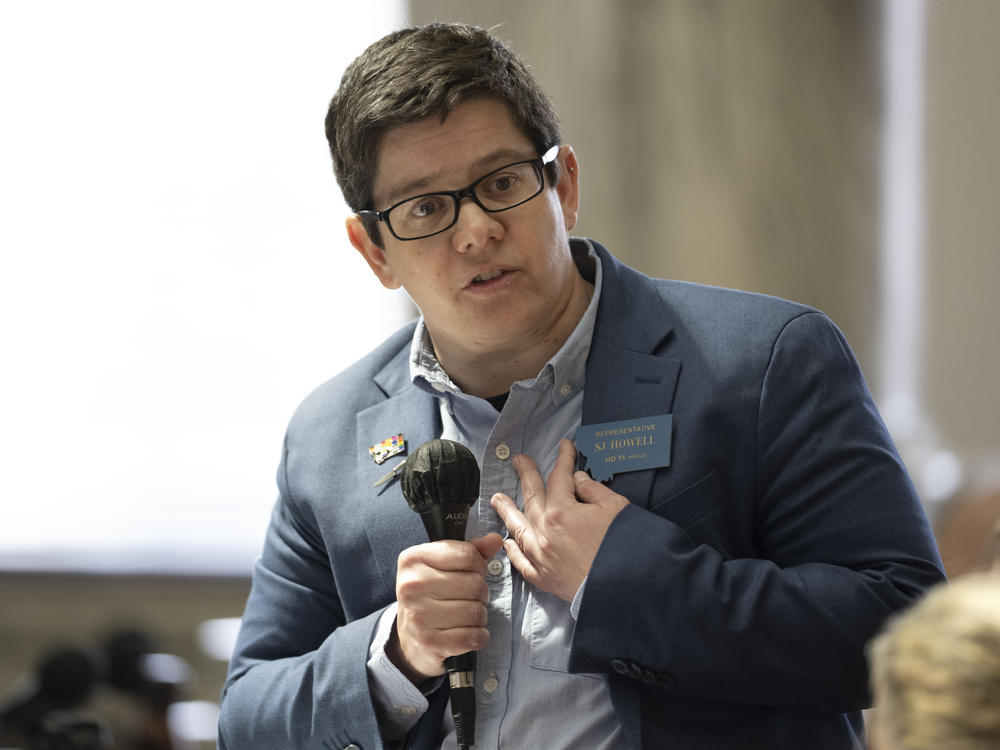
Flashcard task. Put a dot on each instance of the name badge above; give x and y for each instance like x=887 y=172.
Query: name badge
x=630 y=445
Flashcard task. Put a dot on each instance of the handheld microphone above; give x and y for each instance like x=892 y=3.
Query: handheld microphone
x=440 y=481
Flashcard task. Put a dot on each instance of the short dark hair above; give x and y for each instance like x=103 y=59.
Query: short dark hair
x=418 y=72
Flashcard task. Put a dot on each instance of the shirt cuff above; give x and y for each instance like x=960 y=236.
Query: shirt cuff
x=399 y=703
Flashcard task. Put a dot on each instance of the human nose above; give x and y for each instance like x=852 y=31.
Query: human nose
x=475 y=227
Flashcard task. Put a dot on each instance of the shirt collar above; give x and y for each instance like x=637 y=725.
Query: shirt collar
x=567 y=366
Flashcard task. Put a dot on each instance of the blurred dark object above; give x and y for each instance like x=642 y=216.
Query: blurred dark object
x=64 y=679
x=152 y=680
x=124 y=650
x=119 y=697
x=61 y=730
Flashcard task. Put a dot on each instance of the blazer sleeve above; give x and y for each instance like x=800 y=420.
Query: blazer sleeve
x=297 y=679
x=838 y=537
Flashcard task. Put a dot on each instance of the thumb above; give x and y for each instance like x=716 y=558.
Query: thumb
x=489 y=545
x=590 y=491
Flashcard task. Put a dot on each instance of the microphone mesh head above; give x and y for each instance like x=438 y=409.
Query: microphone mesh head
x=440 y=472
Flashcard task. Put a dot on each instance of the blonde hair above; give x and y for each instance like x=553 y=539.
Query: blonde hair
x=936 y=670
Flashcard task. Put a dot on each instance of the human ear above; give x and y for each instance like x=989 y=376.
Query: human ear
x=568 y=186
x=374 y=255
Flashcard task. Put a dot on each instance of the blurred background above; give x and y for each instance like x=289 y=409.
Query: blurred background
x=176 y=276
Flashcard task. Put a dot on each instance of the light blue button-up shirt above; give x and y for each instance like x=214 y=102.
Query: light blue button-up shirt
x=525 y=696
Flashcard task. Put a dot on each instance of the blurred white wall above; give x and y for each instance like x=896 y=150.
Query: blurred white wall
x=175 y=275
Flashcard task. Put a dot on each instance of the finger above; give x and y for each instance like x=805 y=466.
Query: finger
x=589 y=491
x=521 y=561
x=430 y=647
x=447 y=615
x=595 y=493
x=488 y=545
x=518 y=525
x=561 y=487
x=446 y=554
x=457 y=641
x=532 y=486
x=431 y=631
x=418 y=587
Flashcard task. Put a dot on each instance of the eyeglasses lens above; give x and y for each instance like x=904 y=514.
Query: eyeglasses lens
x=429 y=214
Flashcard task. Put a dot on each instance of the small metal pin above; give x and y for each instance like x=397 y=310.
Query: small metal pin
x=392 y=473
x=391 y=446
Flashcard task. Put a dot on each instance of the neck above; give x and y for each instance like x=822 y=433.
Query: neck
x=490 y=371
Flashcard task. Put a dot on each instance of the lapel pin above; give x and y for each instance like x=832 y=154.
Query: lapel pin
x=392 y=473
x=391 y=446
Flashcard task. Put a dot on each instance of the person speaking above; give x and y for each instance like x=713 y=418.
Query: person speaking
x=689 y=518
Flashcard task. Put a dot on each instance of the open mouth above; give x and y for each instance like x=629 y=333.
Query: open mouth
x=488 y=276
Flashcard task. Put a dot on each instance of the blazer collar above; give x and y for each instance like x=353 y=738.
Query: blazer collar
x=631 y=312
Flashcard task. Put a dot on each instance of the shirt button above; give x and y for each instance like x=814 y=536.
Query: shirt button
x=439 y=387
x=408 y=710
x=490 y=684
x=494 y=567
x=566 y=389
x=502 y=452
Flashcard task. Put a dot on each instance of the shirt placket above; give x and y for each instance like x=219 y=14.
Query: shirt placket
x=493 y=669
x=508 y=438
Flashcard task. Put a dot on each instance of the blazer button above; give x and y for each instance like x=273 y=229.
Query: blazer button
x=634 y=671
x=352 y=746
x=664 y=680
x=619 y=666
x=648 y=678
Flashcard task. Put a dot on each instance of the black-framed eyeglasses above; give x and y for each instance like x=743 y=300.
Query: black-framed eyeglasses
x=432 y=213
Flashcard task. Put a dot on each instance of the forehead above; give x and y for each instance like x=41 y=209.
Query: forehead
x=430 y=154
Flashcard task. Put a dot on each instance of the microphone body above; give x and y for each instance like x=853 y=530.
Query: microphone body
x=440 y=480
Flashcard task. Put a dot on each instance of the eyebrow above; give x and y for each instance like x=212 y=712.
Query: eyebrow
x=499 y=157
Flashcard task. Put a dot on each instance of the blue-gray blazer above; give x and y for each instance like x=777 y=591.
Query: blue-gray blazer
x=730 y=602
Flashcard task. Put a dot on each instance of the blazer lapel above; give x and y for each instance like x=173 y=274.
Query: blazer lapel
x=415 y=414
x=627 y=375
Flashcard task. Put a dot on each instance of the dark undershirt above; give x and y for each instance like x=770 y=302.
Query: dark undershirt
x=498 y=401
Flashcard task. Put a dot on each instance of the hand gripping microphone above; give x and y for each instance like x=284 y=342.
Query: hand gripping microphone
x=440 y=481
